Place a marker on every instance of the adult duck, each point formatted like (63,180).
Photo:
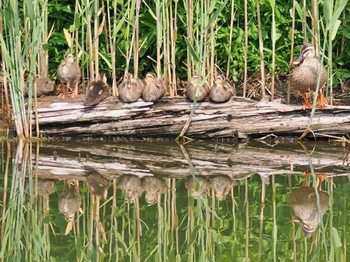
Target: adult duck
(305,74)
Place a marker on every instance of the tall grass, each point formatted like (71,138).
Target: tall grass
(20,51)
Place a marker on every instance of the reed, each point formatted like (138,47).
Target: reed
(20,53)
(273,39)
(261,50)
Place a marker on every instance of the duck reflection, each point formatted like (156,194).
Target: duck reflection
(69,202)
(98,185)
(303,202)
(153,186)
(132,187)
(45,187)
(221,186)
(197,186)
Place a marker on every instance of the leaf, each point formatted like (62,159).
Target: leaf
(192,51)
(336,14)
(299,10)
(336,238)
(105,59)
(335,29)
(216,14)
(194,235)
(68,38)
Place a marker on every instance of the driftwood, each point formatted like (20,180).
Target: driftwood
(68,160)
(238,118)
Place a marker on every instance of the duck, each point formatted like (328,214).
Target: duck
(130,90)
(153,186)
(69,202)
(44,85)
(45,187)
(191,89)
(153,88)
(197,186)
(222,90)
(221,185)
(305,73)
(98,185)
(303,202)
(69,74)
(97,91)
(132,187)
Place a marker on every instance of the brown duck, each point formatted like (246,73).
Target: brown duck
(130,89)
(69,74)
(69,202)
(303,202)
(44,86)
(222,90)
(97,91)
(197,186)
(304,76)
(132,187)
(191,89)
(222,186)
(153,88)
(153,186)
(98,185)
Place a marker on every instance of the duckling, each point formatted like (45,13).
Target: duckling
(69,74)
(69,202)
(44,86)
(153,187)
(98,185)
(198,186)
(132,187)
(221,186)
(97,91)
(304,76)
(222,90)
(153,88)
(130,89)
(45,187)
(192,89)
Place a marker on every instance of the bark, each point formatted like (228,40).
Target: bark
(238,118)
(76,159)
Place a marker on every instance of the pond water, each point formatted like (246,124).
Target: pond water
(162,201)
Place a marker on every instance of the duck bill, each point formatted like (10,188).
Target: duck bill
(299,60)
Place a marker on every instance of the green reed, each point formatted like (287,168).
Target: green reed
(20,48)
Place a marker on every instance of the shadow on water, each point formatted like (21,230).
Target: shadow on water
(160,201)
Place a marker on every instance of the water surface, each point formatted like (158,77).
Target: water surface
(161,201)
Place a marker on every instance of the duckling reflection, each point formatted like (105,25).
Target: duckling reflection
(98,185)
(69,202)
(303,202)
(153,186)
(221,186)
(132,187)
(197,186)
(45,187)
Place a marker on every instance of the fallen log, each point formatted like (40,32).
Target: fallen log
(238,118)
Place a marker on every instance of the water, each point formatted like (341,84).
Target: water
(161,201)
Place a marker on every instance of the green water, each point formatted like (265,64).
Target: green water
(159,201)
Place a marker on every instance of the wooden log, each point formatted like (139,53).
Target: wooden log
(67,160)
(238,118)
